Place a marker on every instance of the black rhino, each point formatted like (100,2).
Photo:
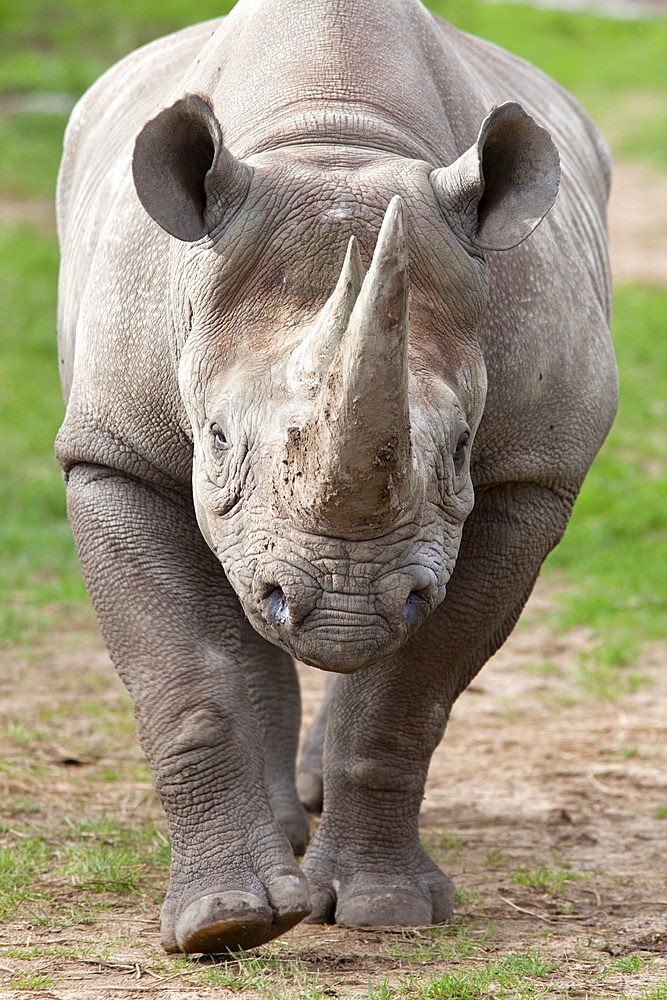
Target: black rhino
(323,402)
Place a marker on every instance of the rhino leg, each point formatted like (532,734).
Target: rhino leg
(365,864)
(175,631)
(273,685)
(309,780)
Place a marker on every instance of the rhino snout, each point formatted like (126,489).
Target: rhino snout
(346,627)
(281,599)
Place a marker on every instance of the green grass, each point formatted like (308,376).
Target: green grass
(273,973)
(443,845)
(18,867)
(30,145)
(631,963)
(63,46)
(547,878)
(519,976)
(615,549)
(94,863)
(454,942)
(38,567)
(515,976)
(659,993)
(34,981)
(381,991)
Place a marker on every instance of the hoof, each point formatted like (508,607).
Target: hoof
(235,920)
(384,909)
(371,900)
(222,921)
(324,906)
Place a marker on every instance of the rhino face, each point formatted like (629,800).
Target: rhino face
(332,436)
(330,480)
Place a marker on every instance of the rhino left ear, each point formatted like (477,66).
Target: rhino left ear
(185,177)
(501,188)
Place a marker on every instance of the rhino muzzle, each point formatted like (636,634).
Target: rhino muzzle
(347,628)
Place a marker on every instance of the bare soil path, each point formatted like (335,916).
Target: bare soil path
(542,803)
(638,224)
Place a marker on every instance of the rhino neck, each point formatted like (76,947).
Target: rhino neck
(325,76)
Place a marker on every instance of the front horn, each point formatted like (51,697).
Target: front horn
(350,465)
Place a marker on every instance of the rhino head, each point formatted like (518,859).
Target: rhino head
(325,307)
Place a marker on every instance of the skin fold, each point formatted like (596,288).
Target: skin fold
(332,388)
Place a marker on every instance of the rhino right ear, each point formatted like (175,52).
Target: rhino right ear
(501,188)
(185,177)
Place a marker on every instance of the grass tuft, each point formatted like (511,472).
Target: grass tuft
(650,993)
(511,976)
(547,878)
(34,981)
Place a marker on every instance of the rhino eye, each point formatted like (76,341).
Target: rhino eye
(460,453)
(218,440)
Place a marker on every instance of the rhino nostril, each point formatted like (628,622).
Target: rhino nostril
(416,607)
(276,607)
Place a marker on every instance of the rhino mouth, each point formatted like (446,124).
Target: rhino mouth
(341,646)
(341,640)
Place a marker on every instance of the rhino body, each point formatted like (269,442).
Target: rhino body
(331,393)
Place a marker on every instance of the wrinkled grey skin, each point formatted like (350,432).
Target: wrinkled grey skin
(221,476)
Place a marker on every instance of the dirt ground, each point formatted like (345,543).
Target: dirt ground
(541,804)
(638,224)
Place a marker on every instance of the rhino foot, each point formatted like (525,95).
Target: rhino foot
(234,920)
(372,900)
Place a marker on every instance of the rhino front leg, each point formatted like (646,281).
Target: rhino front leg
(274,691)
(365,865)
(175,631)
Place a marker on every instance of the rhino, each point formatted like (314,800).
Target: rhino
(335,370)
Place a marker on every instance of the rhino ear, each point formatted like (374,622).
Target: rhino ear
(501,188)
(185,177)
